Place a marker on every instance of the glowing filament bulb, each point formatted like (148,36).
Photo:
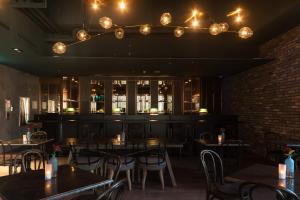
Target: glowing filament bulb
(178,32)
(122,5)
(245,32)
(165,19)
(145,29)
(82,35)
(195,23)
(96,4)
(238,18)
(105,22)
(214,29)
(59,48)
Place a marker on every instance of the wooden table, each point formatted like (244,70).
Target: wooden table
(267,174)
(214,144)
(32,143)
(32,185)
(135,143)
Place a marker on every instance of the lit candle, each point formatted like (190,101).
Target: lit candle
(281,171)
(48,171)
(119,138)
(220,139)
(282,183)
(24,139)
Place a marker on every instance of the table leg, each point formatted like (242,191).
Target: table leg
(170,169)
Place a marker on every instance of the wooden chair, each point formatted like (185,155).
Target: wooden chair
(217,188)
(28,156)
(127,163)
(152,160)
(247,191)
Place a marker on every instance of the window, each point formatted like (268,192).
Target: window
(24,110)
(191,95)
(143,98)
(50,97)
(97,96)
(165,96)
(119,98)
(70,94)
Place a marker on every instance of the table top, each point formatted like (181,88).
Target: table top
(267,174)
(33,142)
(214,144)
(32,185)
(131,142)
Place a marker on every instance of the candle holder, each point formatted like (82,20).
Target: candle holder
(220,139)
(48,171)
(282,171)
(24,139)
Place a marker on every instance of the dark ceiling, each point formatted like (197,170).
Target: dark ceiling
(196,53)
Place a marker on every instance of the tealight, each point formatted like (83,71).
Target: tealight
(281,171)
(48,171)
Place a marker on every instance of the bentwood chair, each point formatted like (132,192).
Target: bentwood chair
(152,160)
(28,156)
(217,188)
(253,191)
(127,163)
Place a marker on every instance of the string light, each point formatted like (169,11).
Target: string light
(245,32)
(59,48)
(237,14)
(82,35)
(165,19)
(122,5)
(119,33)
(145,29)
(105,22)
(224,27)
(214,29)
(178,32)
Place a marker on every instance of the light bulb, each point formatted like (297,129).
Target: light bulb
(194,12)
(105,22)
(59,48)
(195,23)
(96,4)
(119,33)
(238,19)
(145,29)
(122,5)
(178,32)
(214,29)
(82,35)
(245,32)
(224,27)
(165,19)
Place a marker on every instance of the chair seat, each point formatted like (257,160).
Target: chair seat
(87,163)
(152,163)
(127,163)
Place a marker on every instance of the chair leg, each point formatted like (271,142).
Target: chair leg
(144,178)
(128,179)
(161,176)
(111,173)
(139,175)
(133,172)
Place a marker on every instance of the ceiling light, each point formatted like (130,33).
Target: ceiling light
(145,29)
(96,4)
(105,22)
(122,5)
(224,27)
(214,29)
(179,31)
(59,48)
(195,23)
(238,19)
(18,50)
(245,32)
(119,33)
(82,35)
(165,19)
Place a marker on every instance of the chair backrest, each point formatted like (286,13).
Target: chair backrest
(213,168)
(247,190)
(40,135)
(28,156)
(6,152)
(114,192)
(154,152)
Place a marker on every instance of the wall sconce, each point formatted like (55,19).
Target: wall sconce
(153,111)
(203,111)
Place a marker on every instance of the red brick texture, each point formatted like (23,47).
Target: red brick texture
(267,97)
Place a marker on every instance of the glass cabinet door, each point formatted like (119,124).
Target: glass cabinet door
(191,95)
(165,96)
(143,98)
(97,99)
(119,96)
(70,94)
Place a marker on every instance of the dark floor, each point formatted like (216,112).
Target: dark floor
(190,181)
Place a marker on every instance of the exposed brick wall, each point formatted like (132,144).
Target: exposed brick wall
(267,97)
